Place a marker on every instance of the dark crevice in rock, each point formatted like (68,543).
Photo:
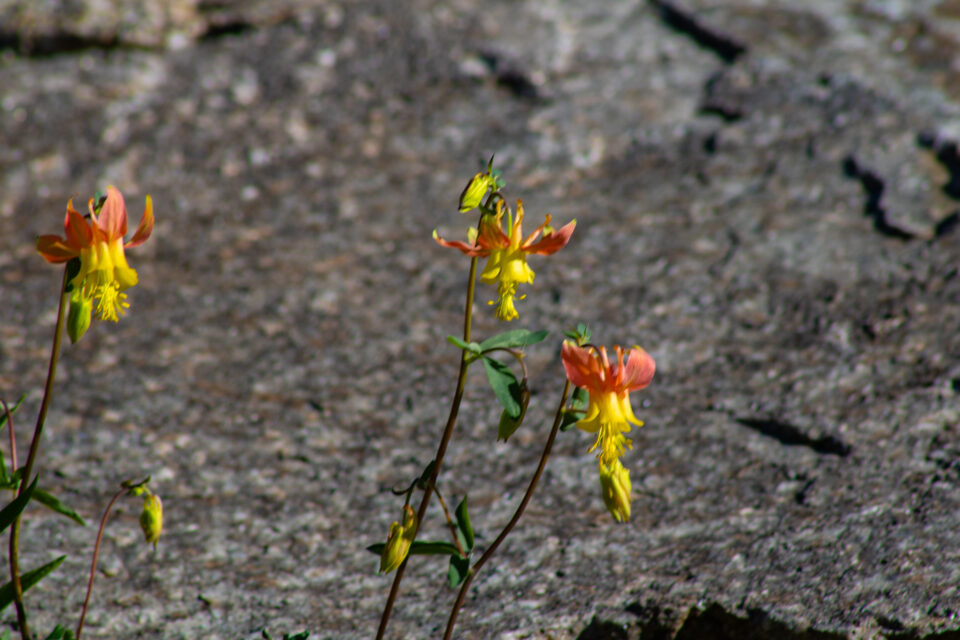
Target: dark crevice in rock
(788,434)
(716,103)
(949,224)
(715,623)
(226,28)
(948,154)
(800,497)
(603,630)
(656,623)
(510,77)
(52,44)
(873,186)
(684,21)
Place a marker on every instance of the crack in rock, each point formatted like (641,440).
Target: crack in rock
(684,21)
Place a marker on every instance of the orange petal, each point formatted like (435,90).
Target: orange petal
(553,242)
(581,367)
(145,228)
(472,250)
(54,249)
(638,370)
(78,231)
(113,215)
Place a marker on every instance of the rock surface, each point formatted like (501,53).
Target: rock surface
(767,195)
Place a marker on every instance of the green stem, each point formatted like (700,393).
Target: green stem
(441,450)
(96,555)
(513,521)
(31,457)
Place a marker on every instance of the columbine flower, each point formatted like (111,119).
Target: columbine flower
(506,253)
(609,413)
(399,541)
(104,273)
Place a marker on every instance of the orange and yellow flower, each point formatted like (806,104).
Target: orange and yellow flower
(506,252)
(609,414)
(104,273)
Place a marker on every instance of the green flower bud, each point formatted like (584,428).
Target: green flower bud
(399,541)
(473,194)
(151,518)
(78,319)
(615,484)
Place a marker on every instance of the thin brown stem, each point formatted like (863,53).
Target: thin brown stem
(31,458)
(96,555)
(513,521)
(441,449)
(450,525)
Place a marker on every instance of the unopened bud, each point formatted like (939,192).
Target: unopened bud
(615,484)
(78,319)
(473,194)
(399,541)
(151,518)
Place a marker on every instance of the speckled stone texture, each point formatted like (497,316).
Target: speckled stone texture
(767,195)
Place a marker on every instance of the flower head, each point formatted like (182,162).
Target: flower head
(609,414)
(506,252)
(104,273)
(398,541)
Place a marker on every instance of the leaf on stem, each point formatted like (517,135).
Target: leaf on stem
(4,476)
(458,571)
(422,548)
(513,339)
(505,386)
(60,633)
(576,410)
(12,510)
(464,529)
(472,347)
(52,502)
(27,580)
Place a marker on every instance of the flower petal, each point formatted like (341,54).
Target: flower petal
(113,215)
(145,228)
(553,242)
(581,367)
(638,370)
(472,250)
(79,233)
(54,249)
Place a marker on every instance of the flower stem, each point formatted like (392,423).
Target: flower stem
(441,449)
(13,440)
(31,457)
(513,521)
(96,555)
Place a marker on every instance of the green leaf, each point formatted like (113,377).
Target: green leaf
(458,571)
(60,633)
(27,580)
(51,502)
(422,548)
(12,510)
(472,347)
(505,386)
(576,410)
(513,339)
(303,635)
(464,529)
(425,476)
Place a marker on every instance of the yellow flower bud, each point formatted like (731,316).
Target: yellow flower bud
(151,518)
(78,319)
(399,541)
(615,484)
(473,194)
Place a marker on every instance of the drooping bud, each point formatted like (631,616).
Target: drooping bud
(399,541)
(151,518)
(78,318)
(473,193)
(615,485)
